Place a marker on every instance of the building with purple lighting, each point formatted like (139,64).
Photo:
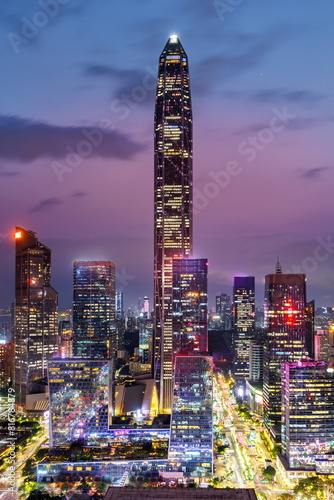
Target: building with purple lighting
(80,393)
(191,434)
(307,414)
(190,305)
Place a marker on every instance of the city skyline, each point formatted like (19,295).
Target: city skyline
(167,391)
(240,75)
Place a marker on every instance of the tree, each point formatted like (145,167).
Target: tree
(101,486)
(269,472)
(65,487)
(328,487)
(286,496)
(309,487)
(29,469)
(39,494)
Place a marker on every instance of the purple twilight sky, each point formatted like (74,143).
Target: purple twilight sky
(262,81)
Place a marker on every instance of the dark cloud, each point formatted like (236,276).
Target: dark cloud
(296,122)
(104,70)
(219,68)
(47,204)
(25,140)
(79,194)
(313,173)
(274,96)
(140,86)
(10,174)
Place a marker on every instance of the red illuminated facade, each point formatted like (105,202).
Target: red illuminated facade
(286,336)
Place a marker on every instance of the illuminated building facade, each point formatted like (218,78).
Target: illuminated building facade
(307,413)
(172,200)
(256,361)
(94,331)
(191,435)
(285,324)
(80,399)
(190,305)
(146,307)
(36,312)
(244,324)
(322,346)
(224,309)
(119,305)
(6,364)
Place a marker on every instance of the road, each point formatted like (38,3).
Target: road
(253,454)
(20,459)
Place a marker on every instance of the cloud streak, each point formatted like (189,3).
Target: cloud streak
(26,141)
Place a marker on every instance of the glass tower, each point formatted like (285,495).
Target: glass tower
(94,334)
(36,312)
(286,329)
(80,399)
(307,413)
(172,200)
(244,324)
(191,437)
(190,305)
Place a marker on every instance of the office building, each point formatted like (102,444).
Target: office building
(190,305)
(94,331)
(310,328)
(244,324)
(322,346)
(224,309)
(36,313)
(81,404)
(172,200)
(256,361)
(307,413)
(286,330)
(119,305)
(6,364)
(146,307)
(191,435)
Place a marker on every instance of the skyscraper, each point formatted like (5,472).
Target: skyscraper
(172,200)
(94,334)
(244,324)
(307,413)
(286,329)
(146,307)
(119,305)
(224,310)
(36,312)
(191,437)
(190,305)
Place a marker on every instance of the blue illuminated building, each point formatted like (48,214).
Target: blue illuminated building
(191,437)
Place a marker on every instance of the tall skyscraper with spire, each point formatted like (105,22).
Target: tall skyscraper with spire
(172,201)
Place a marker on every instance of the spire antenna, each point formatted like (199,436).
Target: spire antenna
(278,267)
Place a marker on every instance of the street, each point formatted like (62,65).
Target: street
(246,458)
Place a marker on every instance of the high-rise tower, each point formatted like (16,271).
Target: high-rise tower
(94,334)
(286,333)
(172,200)
(190,306)
(244,324)
(36,312)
